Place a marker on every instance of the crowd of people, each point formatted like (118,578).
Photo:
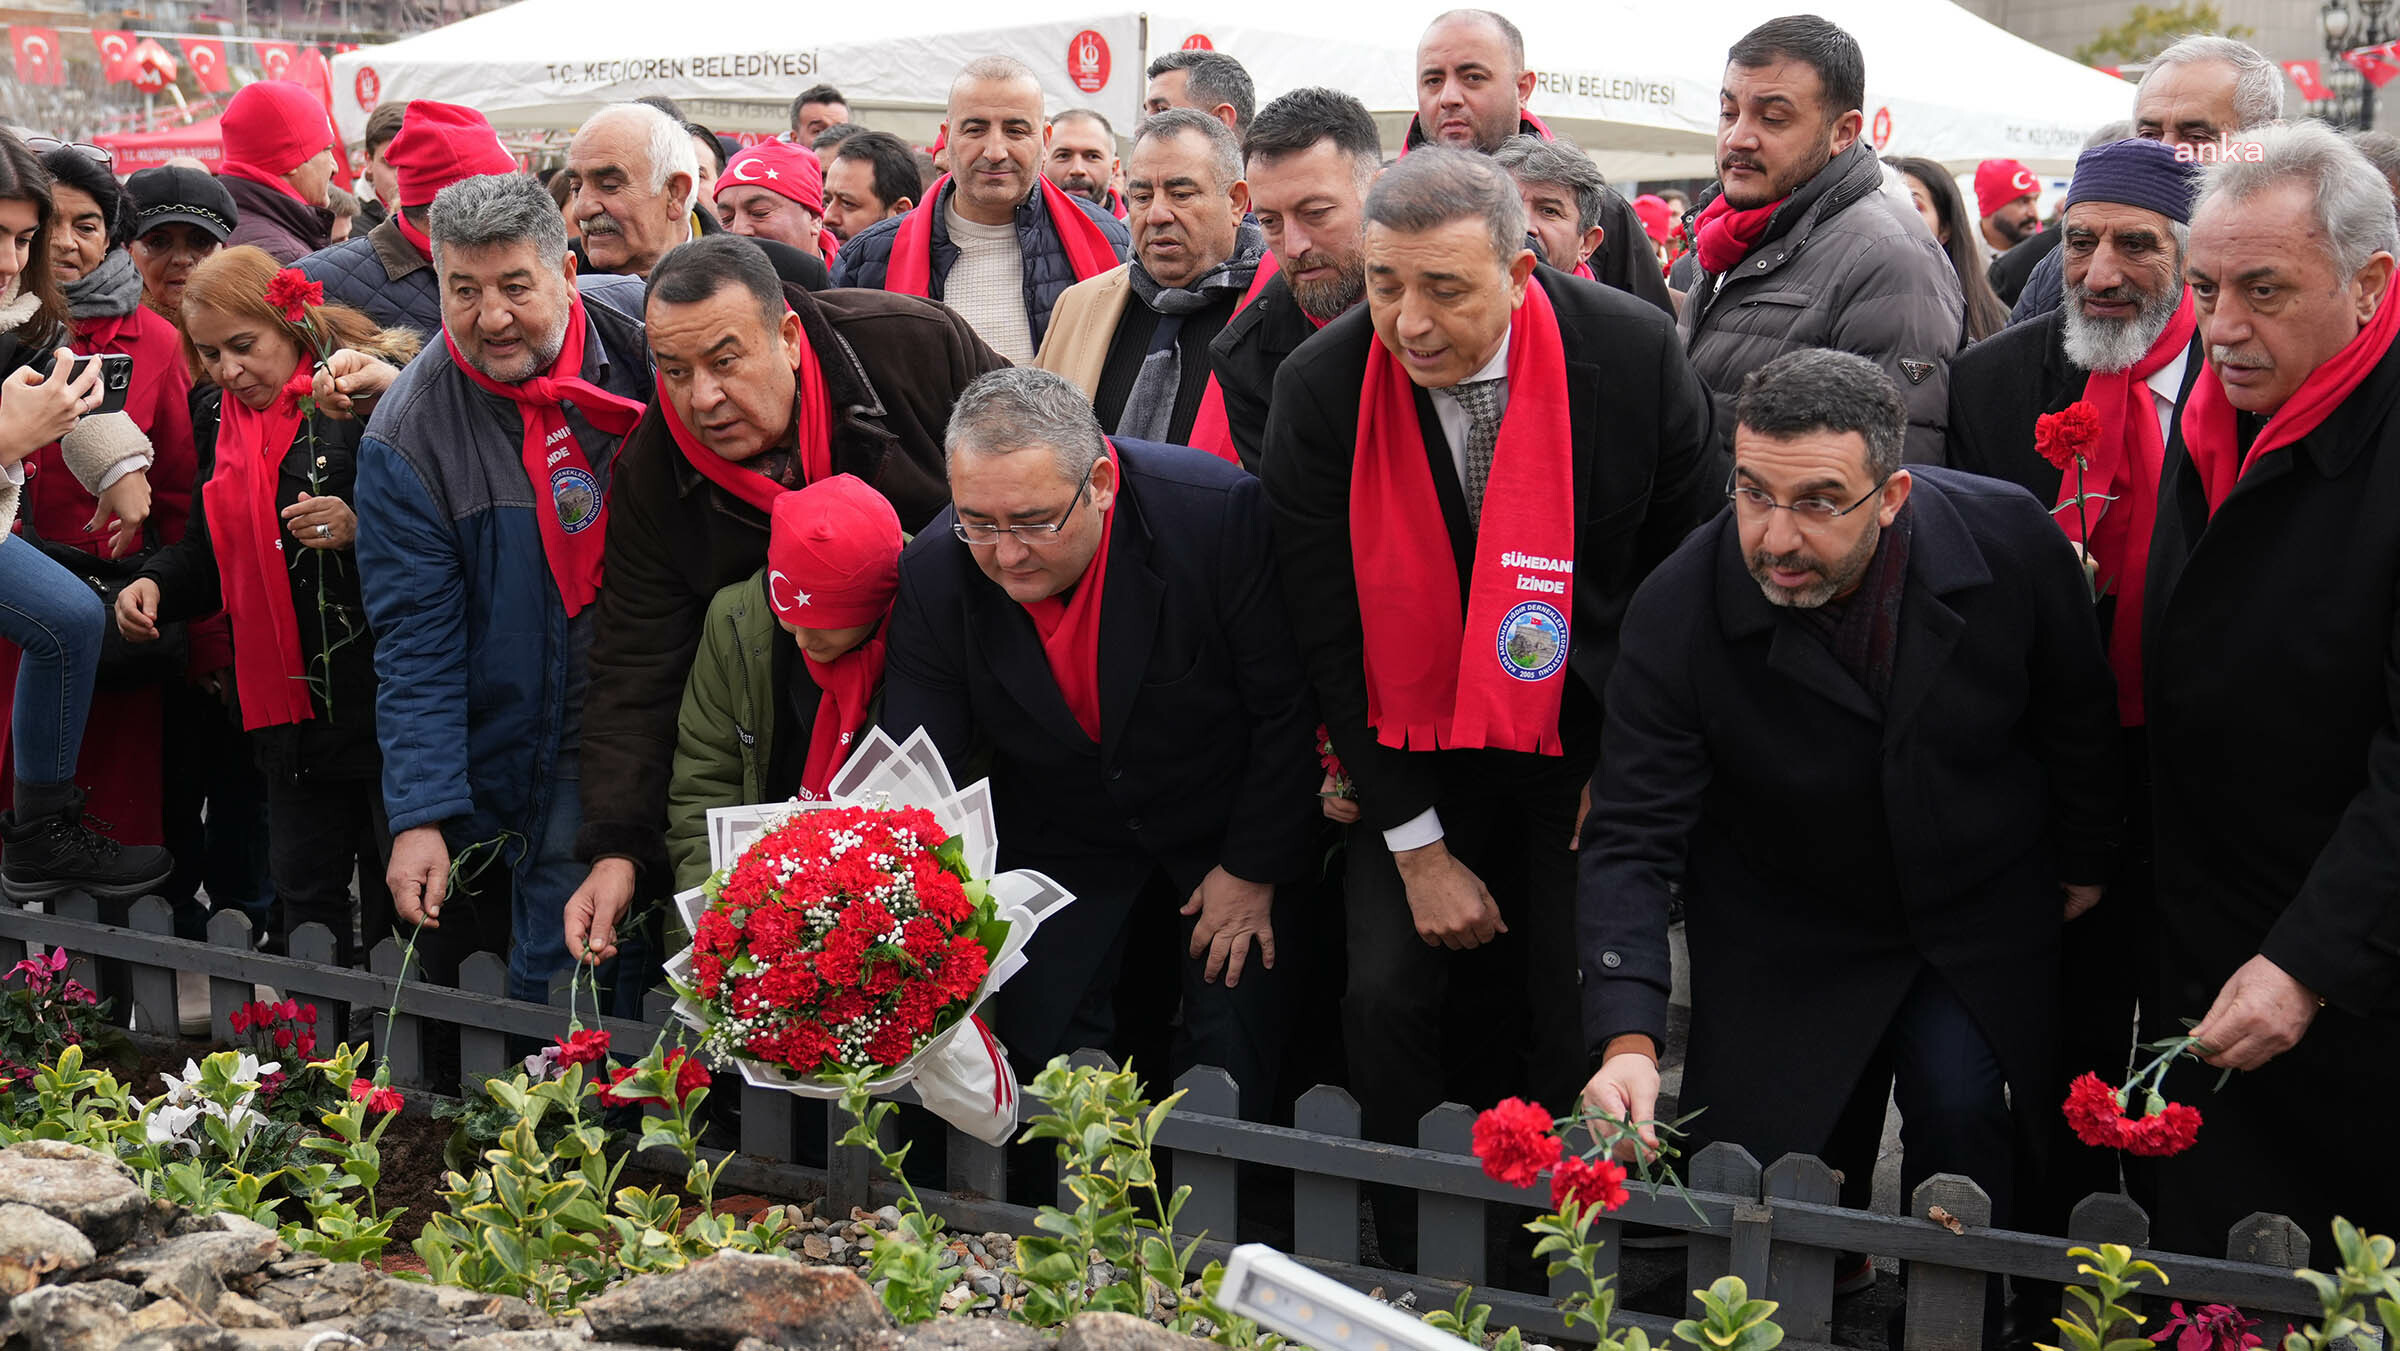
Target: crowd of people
(1973,687)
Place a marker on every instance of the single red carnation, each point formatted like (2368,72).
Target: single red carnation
(2171,1130)
(378,1100)
(2067,435)
(891,1044)
(291,294)
(1514,1142)
(2093,1112)
(1589,1184)
(582,1048)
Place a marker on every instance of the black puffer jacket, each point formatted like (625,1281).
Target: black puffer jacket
(1048,274)
(380,274)
(339,742)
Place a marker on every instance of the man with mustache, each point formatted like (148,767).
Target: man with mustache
(1799,246)
(871,177)
(1863,723)
(1083,158)
(2273,708)
(1135,340)
(993,240)
(2125,346)
(1310,156)
(2007,204)
(635,175)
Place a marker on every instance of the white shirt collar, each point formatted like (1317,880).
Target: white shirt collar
(2167,381)
(1494,369)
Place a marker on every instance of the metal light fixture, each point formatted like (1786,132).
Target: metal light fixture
(1274,1291)
(2336,18)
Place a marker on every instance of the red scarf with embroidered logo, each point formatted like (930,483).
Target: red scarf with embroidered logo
(812,436)
(554,462)
(2125,464)
(1493,676)
(1211,431)
(1070,628)
(269,672)
(910,268)
(1724,236)
(2209,436)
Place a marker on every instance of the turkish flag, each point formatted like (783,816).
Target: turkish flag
(36,50)
(2310,77)
(207,56)
(2378,64)
(153,69)
(116,53)
(275,59)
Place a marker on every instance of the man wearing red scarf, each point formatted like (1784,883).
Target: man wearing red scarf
(483,505)
(2273,709)
(387,273)
(2124,347)
(762,388)
(1104,618)
(1469,476)
(280,155)
(775,190)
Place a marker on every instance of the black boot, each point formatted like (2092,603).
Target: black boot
(51,855)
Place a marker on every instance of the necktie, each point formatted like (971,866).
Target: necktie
(1481,399)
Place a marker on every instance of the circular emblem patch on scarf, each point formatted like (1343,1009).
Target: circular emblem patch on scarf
(1533,641)
(575,494)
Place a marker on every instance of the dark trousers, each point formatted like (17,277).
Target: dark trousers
(1425,1025)
(214,813)
(1954,1115)
(320,832)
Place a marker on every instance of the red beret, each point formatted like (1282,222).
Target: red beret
(833,555)
(780,167)
(439,144)
(2001,181)
(274,126)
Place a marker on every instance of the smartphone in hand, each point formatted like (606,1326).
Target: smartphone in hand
(116,378)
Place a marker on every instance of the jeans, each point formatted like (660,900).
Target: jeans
(56,619)
(545,875)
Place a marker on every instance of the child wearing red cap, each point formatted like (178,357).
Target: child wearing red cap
(768,717)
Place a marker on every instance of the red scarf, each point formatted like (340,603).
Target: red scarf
(234,168)
(2125,464)
(2208,418)
(827,246)
(1495,677)
(269,671)
(1211,431)
(910,268)
(416,238)
(812,433)
(554,458)
(1725,236)
(1584,270)
(849,682)
(1070,629)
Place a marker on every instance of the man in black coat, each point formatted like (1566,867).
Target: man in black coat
(1106,624)
(2274,710)
(1864,720)
(1310,156)
(740,420)
(1461,942)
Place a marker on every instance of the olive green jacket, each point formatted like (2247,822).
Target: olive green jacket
(724,737)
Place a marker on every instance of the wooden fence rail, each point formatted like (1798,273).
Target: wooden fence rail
(1779,1226)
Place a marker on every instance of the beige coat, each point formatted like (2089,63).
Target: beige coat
(1083,324)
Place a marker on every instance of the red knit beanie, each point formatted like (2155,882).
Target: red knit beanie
(780,167)
(439,144)
(833,555)
(2001,181)
(275,126)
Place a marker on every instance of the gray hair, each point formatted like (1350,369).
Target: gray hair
(1434,185)
(2382,150)
(2257,82)
(1561,164)
(1025,408)
(994,68)
(671,148)
(1211,77)
(492,209)
(1819,389)
(2353,201)
(1224,152)
(2109,133)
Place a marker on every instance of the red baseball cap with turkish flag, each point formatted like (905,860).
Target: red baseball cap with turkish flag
(2001,181)
(439,144)
(780,167)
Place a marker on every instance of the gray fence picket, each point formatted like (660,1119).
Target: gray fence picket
(1325,1209)
(2109,1217)
(849,1171)
(974,1168)
(1728,1169)
(314,943)
(563,993)
(1214,1207)
(767,1123)
(152,992)
(2275,1241)
(1449,1228)
(482,1051)
(227,929)
(1799,1277)
(84,967)
(401,1038)
(1945,1304)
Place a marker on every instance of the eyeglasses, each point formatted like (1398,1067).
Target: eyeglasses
(43,145)
(979,536)
(1812,513)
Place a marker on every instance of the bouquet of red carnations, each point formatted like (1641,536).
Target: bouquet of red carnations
(859,935)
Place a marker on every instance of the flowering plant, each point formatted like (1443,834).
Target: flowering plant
(380,1100)
(1339,778)
(43,1009)
(2097,1112)
(2212,1327)
(2066,438)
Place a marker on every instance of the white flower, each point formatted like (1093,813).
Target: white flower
(168,1124)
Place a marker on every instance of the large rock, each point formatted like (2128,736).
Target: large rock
(83,1187)
(72,1317)
(714,1303)
(1121,1332)
(970,1334)
(35,1243)
(194,1268)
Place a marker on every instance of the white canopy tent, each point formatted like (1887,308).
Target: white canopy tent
(1634,86)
